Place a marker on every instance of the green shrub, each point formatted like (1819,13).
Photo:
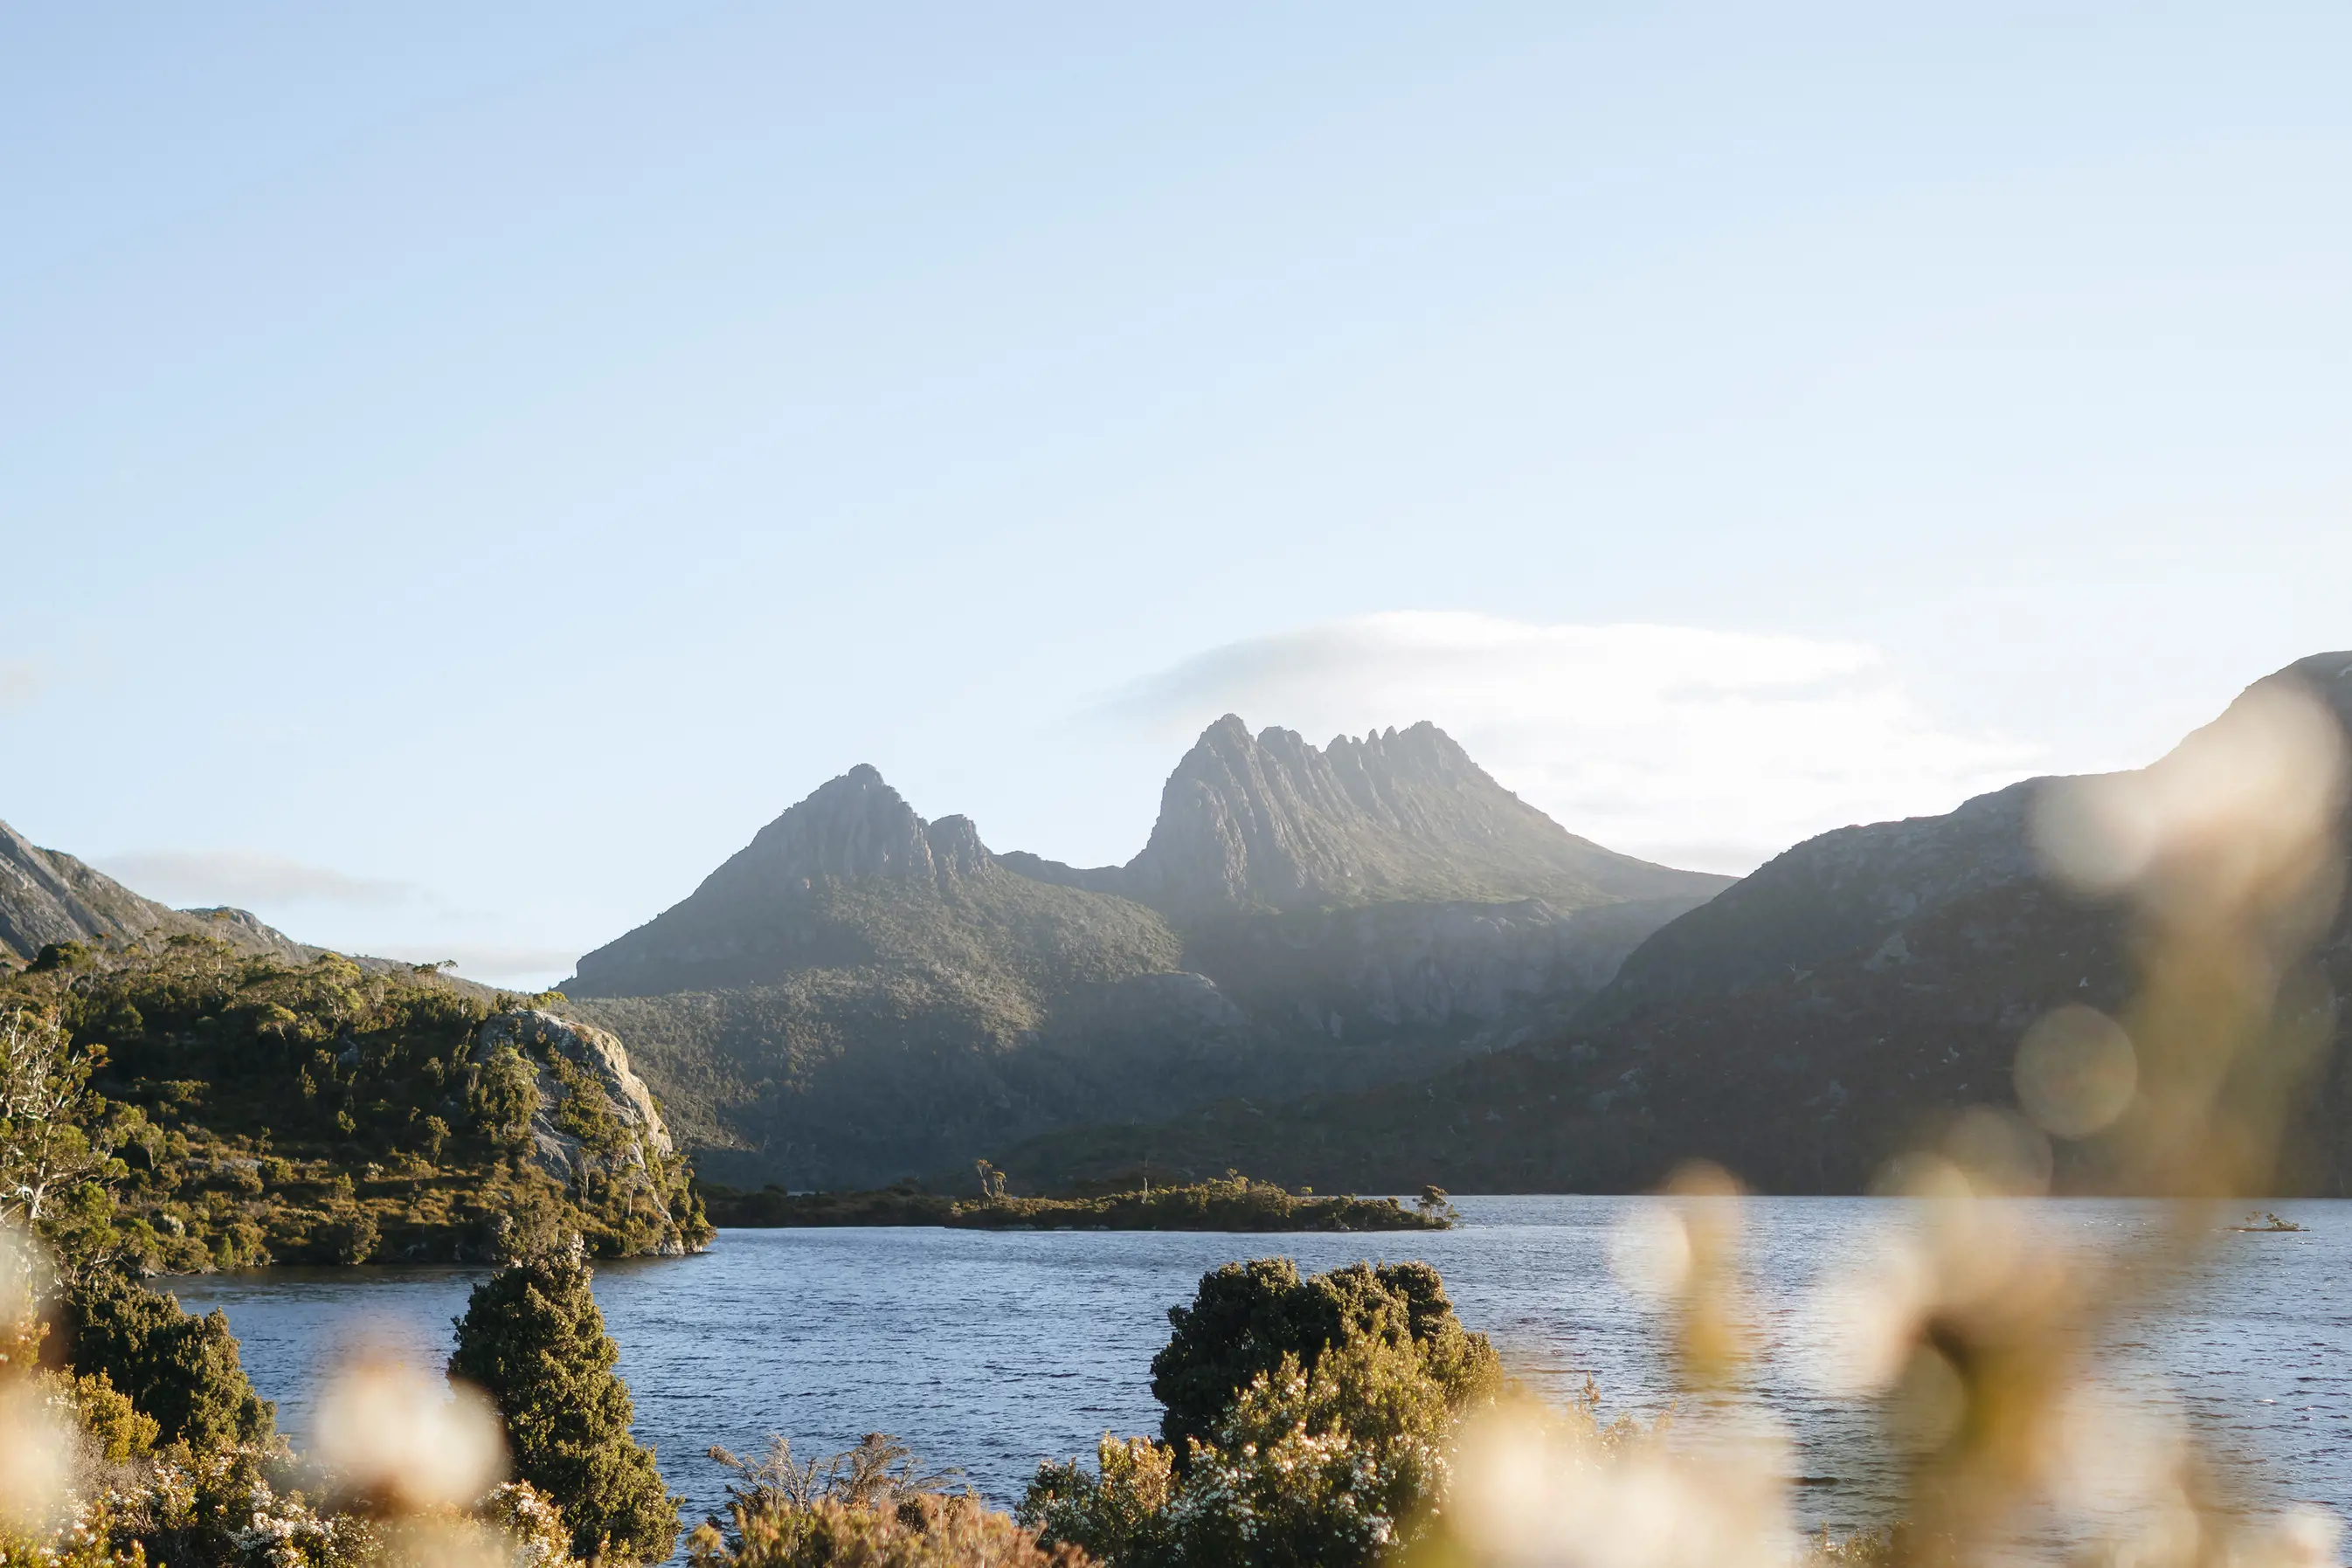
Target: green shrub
(1247,1316)
(119,1431)
(180,1369)
(1119,1513)
(1308,1420)
(504,1097)
(532,1339)
(930,1532)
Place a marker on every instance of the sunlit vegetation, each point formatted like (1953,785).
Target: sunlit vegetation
(873,1504)
(247,1111)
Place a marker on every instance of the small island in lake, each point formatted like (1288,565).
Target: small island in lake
(1235,1203)
(2265,1221)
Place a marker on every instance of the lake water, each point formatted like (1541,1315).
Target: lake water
(992,1351)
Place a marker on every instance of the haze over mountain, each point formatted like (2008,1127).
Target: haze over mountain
(860,994)
(1801,1027)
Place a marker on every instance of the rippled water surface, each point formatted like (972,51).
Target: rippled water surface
(993,1351)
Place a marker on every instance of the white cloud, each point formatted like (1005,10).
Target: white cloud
(246,877)
(1710,749)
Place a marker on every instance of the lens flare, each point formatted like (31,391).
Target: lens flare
(2075,1073)
(390,1432)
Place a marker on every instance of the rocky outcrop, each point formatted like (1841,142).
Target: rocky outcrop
(47,896)
(596,1121)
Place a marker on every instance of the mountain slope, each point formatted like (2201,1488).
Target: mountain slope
(1801,1029)
(860,994)
(47,896)
(850,878)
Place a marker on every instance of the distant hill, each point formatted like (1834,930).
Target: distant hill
(859,995)
(47,896)
(1801,1029)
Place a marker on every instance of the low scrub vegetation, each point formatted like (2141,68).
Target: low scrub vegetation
(1235,1203)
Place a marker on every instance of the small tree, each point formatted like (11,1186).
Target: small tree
(992,1180)
(532,1339)
(47,1142)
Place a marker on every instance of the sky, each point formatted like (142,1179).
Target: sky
(461,472)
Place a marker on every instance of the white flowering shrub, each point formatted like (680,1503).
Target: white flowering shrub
(1335,1467)
(536,1534)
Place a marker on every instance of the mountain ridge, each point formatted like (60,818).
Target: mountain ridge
(1300,917)
(47,896)
(1801,1028)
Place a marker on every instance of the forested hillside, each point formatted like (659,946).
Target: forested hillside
(257,1110)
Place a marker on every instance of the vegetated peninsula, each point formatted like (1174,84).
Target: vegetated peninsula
(1839,1006)
(258,1106)
(1234,1203)
(861,996)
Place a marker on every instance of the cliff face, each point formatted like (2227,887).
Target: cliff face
(47,896)
(597,1124)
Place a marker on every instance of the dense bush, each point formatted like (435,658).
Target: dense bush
(1246,1317)
(1330,1467)
(533,1340)
(933,1531)
(180,1370)
(1307,1422)
(872,1507)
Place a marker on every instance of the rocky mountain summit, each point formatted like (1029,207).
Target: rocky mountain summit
(1800,1028)
(851,878)
(860,994)
(1270,823)
(47,896)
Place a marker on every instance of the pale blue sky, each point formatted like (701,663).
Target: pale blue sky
(460,475)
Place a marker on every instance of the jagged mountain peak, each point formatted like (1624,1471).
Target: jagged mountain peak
(849,828)
(1270,820)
